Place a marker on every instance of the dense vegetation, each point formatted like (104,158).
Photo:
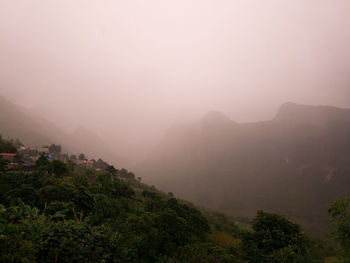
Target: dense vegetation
(56,213)
(7,146)
(340,217)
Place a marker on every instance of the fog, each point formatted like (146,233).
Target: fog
(127,70)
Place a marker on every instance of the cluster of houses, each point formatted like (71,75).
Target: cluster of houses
(11,158)
(26,157)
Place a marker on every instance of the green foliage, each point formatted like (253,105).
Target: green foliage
(100,164)
(59,168)
(43,164)
(82,157)
(340,218)
(101,220)
(7,146)
(275,239)
(56,213)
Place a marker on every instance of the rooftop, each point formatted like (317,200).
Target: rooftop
(8,154)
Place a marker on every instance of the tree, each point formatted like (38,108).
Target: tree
(275,239)
(100,164)
(6,146)
(111,169)
(82,156)
(59,168)
(43,164)
(339,214)
(126,174)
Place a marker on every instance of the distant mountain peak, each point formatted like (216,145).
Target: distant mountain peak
(293,112)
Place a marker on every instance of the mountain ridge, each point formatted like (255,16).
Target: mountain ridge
(33,129)
(294,166)
(317,114)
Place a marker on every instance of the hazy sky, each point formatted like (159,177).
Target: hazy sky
(129,69)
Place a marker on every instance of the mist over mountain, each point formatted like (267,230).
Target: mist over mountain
(15,123)
(33,129)
(235,106)
(94,145)
(295,164)
(321,115)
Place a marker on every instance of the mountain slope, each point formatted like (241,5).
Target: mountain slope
(61,213)
(295,164)
(91,144)
(33,129)
(14,123)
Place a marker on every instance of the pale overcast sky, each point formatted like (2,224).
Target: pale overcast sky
(131,68)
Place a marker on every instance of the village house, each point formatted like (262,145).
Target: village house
(8,156)
(86,162)
(81,162)
(91,162)
(43,150)
(11,158)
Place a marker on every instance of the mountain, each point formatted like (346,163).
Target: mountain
(321,115)
(14,123)
(91,144)
(60,213)
(32,129)
(295,164)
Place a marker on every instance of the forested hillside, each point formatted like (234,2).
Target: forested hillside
(57,213)
(296,164)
